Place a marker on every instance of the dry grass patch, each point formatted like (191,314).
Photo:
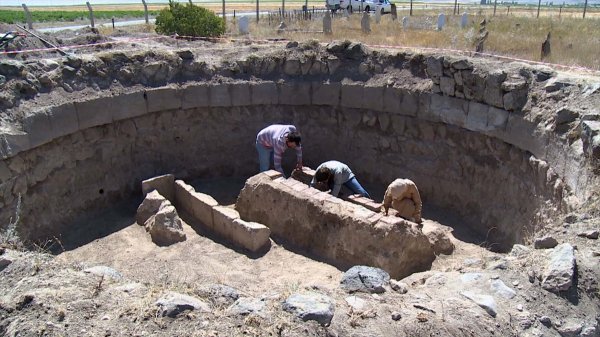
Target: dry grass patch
(574,41)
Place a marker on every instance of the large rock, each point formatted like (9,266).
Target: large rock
(487,302)
(560,269)
(439,239)
(149,207)
(172,303)
(311,306)
(365,279)
(165,227)
(337,231)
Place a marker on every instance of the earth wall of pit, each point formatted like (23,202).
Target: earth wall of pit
(485,159)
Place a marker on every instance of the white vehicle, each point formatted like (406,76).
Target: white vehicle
(384,6)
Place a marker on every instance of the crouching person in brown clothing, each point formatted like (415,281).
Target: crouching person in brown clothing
(403,196)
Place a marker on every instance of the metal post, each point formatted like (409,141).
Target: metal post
(559,11)
(455,4)
(145,11)
(113,23)
(410,7)
(91,13)
(539,5)
(234,13)
(257,16)
(495,3)
(584,8)
(28,16)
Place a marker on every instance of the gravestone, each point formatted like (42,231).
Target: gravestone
(464,20)
(347,12)
(365,23)
(546,50)
(281,28)
(441,21)
(244,25)
(327,23)
(378,14)
(405,22)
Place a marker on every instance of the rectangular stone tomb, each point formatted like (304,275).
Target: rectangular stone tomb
(342,233)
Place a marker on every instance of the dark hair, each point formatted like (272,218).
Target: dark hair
(294,137)
(323,174)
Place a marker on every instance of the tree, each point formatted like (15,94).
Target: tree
(188,20)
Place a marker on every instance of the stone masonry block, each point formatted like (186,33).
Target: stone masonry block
(477,116)
(94,112)
(450,110)
(497,119)
(223,218)
(447,85)
(374,98)
(196,96)
(183,194)
(63,119)
(249,235)
(326,93)
(37,126)
(202,208)
(12,143)
(220,95)
(273,174)
(410,104)
(240,94)
(426,109)
(198,205)
(264,93)
(392,99)
(165,185)
(353,96)
(129,105)
(162,99)
(524,134)
(294,93)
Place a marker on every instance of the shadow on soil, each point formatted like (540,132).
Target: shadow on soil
(95,225)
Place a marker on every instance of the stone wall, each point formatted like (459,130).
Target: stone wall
(339,232)
(472,137)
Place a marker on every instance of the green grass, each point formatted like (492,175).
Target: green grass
(11,17)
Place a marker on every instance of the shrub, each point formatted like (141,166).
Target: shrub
(188,20)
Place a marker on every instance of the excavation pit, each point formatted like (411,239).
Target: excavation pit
(486,155)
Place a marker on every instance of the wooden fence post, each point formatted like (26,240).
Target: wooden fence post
(539,5)
(225,20)
(91,13)
(584,8)
(145,11)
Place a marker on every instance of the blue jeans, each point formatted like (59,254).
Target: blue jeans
(354,186)
(265,156)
